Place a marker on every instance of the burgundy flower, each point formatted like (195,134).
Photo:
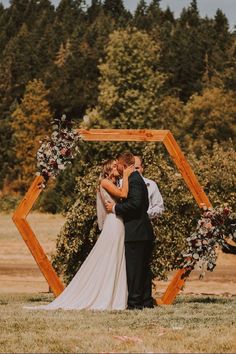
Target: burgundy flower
(226,211)
(211,231)
(58,151)
(68,152)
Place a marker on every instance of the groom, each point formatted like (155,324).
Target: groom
(138,236)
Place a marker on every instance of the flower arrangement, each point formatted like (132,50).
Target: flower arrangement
(214,227)
(56,152)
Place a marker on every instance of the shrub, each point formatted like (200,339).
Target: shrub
(216,173)
(8,203)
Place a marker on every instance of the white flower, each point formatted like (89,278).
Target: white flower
(86,120)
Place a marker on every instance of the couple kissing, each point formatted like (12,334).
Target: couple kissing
(116,274)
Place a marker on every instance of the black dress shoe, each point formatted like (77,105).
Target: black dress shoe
(148,306)
(134,307)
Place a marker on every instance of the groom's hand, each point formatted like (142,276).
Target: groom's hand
(109,206)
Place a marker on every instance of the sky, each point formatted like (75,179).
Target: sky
(206,7)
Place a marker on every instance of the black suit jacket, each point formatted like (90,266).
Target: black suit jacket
(134,211)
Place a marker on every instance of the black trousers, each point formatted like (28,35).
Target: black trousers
(229,249)
(138,257)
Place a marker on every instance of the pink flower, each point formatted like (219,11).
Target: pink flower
(208,225)
(63,151)
(226,211)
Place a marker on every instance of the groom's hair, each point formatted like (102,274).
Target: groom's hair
(127,157)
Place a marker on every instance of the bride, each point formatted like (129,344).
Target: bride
(100,283)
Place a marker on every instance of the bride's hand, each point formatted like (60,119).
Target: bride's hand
(127,172)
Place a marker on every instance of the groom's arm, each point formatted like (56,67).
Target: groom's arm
(133,201)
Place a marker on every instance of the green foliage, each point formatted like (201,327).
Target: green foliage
(210,116)
(8,203)
(216,173)
(185,46)
(131,82)
(31,123)
(216,170)
(80,230)
(116,9)
(60,194)
(7,156)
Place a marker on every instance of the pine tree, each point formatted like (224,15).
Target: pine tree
(183,52)
(168,16)
(44,37)
(69,14)
(3,34)
(63,54)
(114,7)
(31,121)
(18,66)
(222,38)
(190,17)
(116,10)
(229,74)
(7,157)
(140,16)
(74,86)
(94,10)
(154,13)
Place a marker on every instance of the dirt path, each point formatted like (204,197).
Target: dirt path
(19,272)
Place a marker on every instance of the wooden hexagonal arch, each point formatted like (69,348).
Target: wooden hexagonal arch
(35,189)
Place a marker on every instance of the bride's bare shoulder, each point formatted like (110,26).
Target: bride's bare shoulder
(105,182)
(111,188)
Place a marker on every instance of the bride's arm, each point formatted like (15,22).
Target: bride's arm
(115,191)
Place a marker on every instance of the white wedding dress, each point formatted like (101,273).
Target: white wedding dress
(100,283)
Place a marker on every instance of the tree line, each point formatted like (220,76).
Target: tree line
(145,69)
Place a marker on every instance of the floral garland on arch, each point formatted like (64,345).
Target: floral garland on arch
(213,228)
(56,152)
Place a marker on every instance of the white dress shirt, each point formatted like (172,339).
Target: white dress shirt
(156,205)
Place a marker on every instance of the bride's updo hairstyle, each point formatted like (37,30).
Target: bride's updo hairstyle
(106,169)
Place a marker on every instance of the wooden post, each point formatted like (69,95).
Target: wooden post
(30,239)
(195,188)
(186,171)
(141,135)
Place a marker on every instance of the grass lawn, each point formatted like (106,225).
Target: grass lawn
(193,324)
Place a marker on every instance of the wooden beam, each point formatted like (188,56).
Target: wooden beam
(122,134)
(201,198)
(173,288)
(30,238)
(186,171)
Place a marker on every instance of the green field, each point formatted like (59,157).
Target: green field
(193,324)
